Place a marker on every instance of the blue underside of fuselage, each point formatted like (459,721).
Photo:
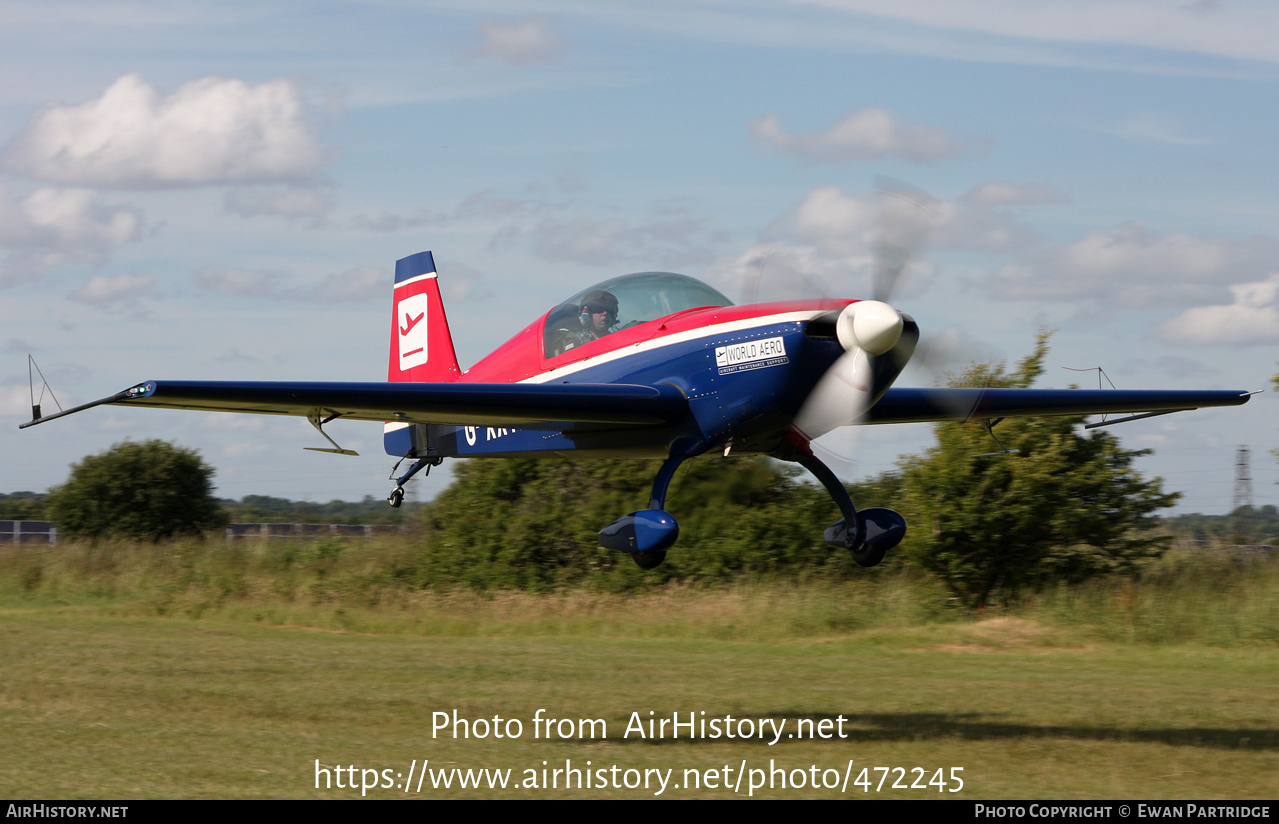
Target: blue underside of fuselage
(744,386)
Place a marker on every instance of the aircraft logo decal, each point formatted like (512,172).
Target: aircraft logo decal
(412,329)
(411,322)
(753,354)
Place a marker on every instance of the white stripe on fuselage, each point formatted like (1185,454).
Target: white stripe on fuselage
(677,338)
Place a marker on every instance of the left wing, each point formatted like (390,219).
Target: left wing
(527,405)
(553,405)
(961,404)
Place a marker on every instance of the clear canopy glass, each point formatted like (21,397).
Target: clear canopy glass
(639,298)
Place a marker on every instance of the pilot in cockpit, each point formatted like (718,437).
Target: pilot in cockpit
(597,318)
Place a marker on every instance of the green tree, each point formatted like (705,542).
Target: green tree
(266,509)
(22,506)
(151,490)
(1068,507)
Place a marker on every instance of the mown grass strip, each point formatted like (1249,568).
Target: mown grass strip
(99,706)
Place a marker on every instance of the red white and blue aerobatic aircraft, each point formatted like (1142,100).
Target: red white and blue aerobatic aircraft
(649,365)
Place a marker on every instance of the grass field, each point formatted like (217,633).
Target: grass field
(112,692)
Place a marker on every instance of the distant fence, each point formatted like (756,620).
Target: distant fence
(43,532)
(28,532)
(249,532)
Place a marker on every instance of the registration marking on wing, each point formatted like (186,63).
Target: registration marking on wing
(751,354)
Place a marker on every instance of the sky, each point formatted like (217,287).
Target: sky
(197,190)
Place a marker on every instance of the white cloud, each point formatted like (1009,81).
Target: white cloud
(999,193)
(53,226)
(249,283)
(985,218)
(111,289)
(859,223)
(464,283)
(1174,366)
(482,205)
(519,42)
(834,221)
(211,130)
(486,204)
(387,222)
(1132,266)
(1149,127)
(582,240)
(824,246)
(15,402)
(1244,30)
(241,450)
(1253,317)
(669,243)
(833,240)
(868,134)
(234,355)
(788,270)
(51,217)
(359,283)
(222,422)
(356,284)
(284,201)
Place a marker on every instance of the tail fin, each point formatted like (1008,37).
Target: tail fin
(421,345)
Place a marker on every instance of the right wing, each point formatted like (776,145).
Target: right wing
(962,404)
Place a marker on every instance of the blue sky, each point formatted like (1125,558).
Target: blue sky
(220,190)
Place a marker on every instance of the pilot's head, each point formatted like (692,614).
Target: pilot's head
(599,312)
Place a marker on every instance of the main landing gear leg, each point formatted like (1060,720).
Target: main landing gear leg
(872,532)
(397,495)
(657,499)
(647,534)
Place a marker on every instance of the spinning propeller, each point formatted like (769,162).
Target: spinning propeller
(878,340)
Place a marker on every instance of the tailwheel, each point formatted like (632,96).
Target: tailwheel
(649,559)
(397,495)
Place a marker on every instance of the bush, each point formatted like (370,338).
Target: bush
(150,491)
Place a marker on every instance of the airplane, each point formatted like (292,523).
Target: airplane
(653,364)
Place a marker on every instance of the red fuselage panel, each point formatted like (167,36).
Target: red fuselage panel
(522,357)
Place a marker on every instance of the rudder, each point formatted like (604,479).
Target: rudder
(421,344)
